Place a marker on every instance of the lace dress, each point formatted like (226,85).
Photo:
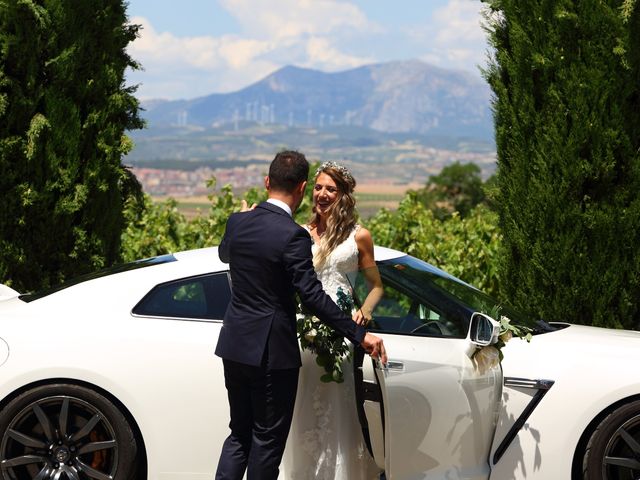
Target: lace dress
(325,442)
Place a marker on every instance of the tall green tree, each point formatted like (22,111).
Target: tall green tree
(64,108)
(566,79)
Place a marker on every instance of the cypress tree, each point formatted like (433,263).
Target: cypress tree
(566,81)
(64,109)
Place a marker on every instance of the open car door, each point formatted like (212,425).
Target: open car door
(430,412)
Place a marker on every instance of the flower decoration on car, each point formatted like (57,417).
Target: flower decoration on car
(490,356)
(328,345)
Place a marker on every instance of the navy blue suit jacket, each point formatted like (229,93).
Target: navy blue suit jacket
(270,260)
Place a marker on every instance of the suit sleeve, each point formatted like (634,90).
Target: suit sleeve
(299,264)
(224,247)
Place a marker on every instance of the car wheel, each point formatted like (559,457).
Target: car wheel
(613,451)
(64,431)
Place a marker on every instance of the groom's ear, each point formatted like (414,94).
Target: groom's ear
(302,187)
(266,182)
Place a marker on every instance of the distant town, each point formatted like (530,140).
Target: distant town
(411,168)
(193,183)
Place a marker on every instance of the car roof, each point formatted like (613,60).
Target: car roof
(385,253)
(162,268)
(199,254)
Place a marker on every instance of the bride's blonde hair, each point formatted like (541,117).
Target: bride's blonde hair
(342,214)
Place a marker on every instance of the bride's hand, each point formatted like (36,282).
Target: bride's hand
(360,318)
(244,206)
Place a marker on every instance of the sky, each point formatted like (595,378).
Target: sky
(193,48)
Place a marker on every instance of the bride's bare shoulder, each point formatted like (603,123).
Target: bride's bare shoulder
(362,233)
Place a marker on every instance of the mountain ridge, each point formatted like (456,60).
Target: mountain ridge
(395,97)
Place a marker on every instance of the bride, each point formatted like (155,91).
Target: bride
(326,441)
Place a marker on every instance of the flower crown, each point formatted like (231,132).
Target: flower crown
(344,171)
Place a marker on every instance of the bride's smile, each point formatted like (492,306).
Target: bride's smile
(325,193)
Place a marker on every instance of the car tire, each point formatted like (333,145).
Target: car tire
(613,451)
(65,431)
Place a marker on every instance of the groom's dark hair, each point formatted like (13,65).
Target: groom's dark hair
(287,170)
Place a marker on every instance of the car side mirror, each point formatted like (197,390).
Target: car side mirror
(484,329)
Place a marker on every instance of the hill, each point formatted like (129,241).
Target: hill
(393,124)
(393,97)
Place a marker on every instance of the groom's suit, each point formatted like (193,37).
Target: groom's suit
(270,260)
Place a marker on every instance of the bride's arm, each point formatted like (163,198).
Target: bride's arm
(367,265)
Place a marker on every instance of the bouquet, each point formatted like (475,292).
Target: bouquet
(327,344)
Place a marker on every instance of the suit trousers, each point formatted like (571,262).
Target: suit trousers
(261,403)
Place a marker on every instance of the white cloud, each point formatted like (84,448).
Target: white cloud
(329,35)
(274,34)
(323,55)
(179,67)
(455,36)
(204,52)
(295,18)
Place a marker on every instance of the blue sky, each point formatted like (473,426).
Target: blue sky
(193,48)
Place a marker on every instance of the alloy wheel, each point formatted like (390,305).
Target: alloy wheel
(621,459)
(59,437)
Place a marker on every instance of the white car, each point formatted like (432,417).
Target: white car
(113,375)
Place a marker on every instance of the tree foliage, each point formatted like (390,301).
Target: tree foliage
(63,113)
(566,80)
(465,247)
(457,188)
(159,228)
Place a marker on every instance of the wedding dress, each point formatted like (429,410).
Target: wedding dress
(325,441)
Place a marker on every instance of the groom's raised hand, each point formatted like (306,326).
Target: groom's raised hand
(374,346)
(244,206)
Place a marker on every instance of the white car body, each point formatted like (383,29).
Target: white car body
(443,418)
(592,369)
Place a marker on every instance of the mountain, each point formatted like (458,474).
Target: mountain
(393,97)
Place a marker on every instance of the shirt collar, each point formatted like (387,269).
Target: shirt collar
(281,204)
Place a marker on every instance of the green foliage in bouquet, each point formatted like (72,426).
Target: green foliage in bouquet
(508,331)
(328,345)
(491,355)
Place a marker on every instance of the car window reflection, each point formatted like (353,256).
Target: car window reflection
(203,297)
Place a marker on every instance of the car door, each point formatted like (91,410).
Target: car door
(429,412)
(184,316)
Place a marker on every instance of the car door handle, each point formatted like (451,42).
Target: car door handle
(394,365)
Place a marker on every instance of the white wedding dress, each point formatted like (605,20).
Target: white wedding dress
(325,442)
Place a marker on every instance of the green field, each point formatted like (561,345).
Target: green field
(369,200)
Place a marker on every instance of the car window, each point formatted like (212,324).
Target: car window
(201,297)
(413,308)
(402,311)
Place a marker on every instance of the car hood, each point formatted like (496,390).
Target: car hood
(593,337)
(7,292)
(570,349)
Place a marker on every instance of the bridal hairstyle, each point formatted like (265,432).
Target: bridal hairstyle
(342,213)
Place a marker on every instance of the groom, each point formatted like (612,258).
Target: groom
(270,260)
